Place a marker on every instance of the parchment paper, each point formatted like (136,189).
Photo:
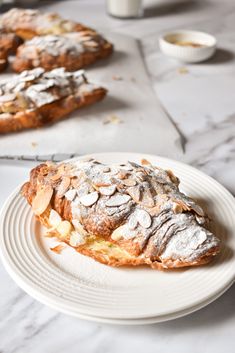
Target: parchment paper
(129,119)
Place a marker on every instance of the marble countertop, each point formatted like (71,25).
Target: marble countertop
(200,101)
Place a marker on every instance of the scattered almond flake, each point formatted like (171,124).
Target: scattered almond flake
(101,184)
(78,227)
(70,194)
(147,198)
(54,218)
(154,211)
(91,44)
(133,221)
(76,239)
(42,200)
(200,220)
(106,170)
(50,164)
(117,200)
(177,208)
(112,119)
(196,208)
(123,232)
(89,199)
(64,228)
(117,234)
(183,70)
(114,170)
(172,176)
(108,190)
(55,177)
(51,233)
(64,185)
(144,218)
(123,174)
(34,144)
(7,97)
(117,78)
(126,167)
(145,162)
(75,182)
(58,248)
(129,182)
(134,192)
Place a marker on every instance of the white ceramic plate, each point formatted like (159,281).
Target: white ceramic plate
(79,286)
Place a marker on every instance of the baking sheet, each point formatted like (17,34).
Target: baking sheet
(129,119)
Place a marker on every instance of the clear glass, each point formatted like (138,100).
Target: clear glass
(124,8)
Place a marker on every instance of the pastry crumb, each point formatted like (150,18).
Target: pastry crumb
(58,248)
(183,70)
(112,119)
(34,144)
(117,78)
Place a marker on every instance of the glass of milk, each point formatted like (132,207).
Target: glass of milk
(124,8)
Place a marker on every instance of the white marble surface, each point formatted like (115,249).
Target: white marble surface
(201,103)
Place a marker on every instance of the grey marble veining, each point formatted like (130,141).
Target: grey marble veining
(200,101)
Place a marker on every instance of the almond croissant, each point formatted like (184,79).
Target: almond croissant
(126,214)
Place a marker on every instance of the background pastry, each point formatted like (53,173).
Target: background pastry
(71,50)
(35,98)
(27,23)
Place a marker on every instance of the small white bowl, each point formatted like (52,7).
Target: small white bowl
(188,46)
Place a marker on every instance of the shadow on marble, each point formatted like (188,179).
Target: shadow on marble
(173,7)
(117,56)
(221,56)
(99,111)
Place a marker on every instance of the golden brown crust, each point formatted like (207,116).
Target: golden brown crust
(50,113)
(8,45)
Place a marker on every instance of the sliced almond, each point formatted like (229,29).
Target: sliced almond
(55,177)
(75,182)
(134,192)
(42,200)
(147,198)
(58,248)
(177,208)
(145,162)
(70,194)
(144,218)
(54,219)
(64,228)
(76,239)
(117,200)
(126,167)
(118,233)
(78,227)
(129,182)
(196,208)
(154,211)
(122,174)
(91,44)
(89,199)
(123,232)
(101,184)
(106,170)
(133,221)
(63,187)
(108,190)
(172,176)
